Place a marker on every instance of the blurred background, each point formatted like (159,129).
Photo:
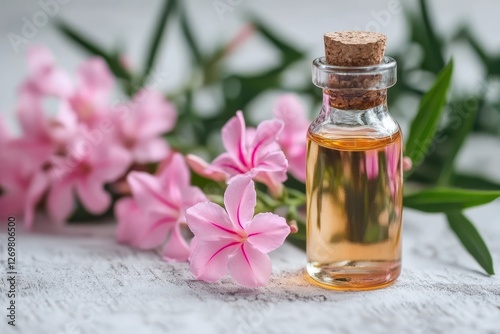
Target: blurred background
(214,57)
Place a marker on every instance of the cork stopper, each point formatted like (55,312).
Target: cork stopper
(355,48)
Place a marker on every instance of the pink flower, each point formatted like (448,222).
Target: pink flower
(293,138)
(85,168)
(129,216)
(44,77)
(233,239)
(159,202)
(22,178)
(407,164)
(252,152)
(141,124)
(94,85)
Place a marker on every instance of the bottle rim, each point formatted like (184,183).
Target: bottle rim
(372,77)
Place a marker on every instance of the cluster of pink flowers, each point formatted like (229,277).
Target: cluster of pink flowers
(92,142)
(88,143)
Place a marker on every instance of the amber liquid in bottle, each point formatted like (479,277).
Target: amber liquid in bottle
(354,202)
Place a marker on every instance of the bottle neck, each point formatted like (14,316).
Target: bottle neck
(333,122)
(350,99)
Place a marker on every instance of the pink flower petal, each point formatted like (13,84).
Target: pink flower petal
(240,200)
(292,140)
(291,111)
(274,162)
(37,188)
(156,114)
(129,217)
(227,164)
(176,248)
(233,137)
(60,200)
(95,80)
(249,267)
(149,196)
(267,231)
(174,177)
(202,168)
(192,195)
(153,234)
(209,259)
(45,76)
(110,162)
(57,83)
(39,58)
(208,221)
(11,204)
(407,164)
(272,181)
(4,130)
(31,117)
(297,165)
(150,150)
(267,133)
(93,196)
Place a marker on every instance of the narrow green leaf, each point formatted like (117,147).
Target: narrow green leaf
(435,44)
(83,41)
(473,182)
(289,53)
(471,239)
(419,36)
(188,35)
(93,48)
(462,118)
(465,34)
(448,199)
(169,6)
(426,121)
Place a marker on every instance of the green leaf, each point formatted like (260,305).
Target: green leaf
(289,53)
(473,182)
(462,119)
(435,50)
(465,34)
(418,25)
(448,199)
(188,35)
(169,6)
(426,121)
(93,48)
(471,239)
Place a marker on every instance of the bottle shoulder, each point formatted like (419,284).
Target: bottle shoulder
(373,123)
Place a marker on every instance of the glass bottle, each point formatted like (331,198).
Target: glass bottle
(354,179)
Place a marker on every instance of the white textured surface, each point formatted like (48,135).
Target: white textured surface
(80,281)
